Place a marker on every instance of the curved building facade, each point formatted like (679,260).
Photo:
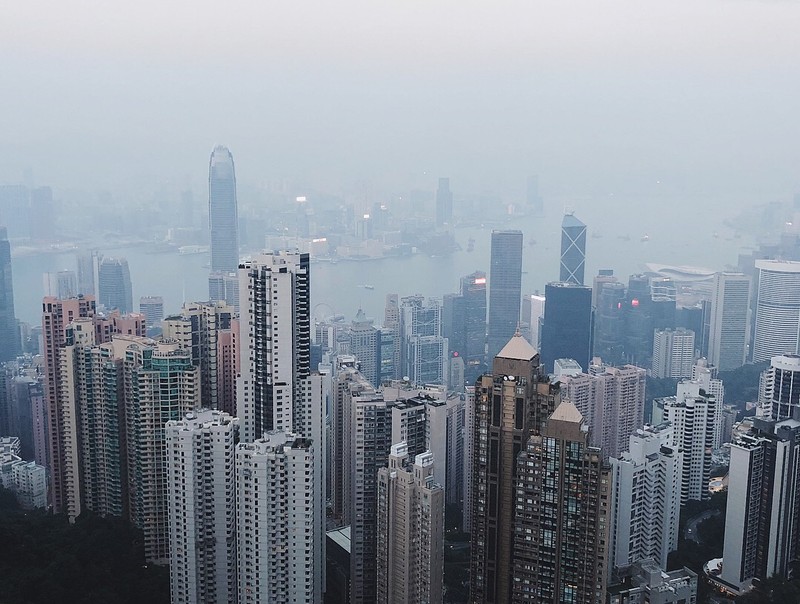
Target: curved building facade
(777,327)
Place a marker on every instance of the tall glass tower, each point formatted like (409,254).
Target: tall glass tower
(505,288)
(223,218)
(9,331)
(573,250)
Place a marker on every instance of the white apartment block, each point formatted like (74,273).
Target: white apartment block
(26,479)
(202,512)
(278,561)
(779,387)
(694,419)
(410,530)
(728,332)
(673,353)
(646,498)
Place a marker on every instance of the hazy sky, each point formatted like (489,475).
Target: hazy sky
(596,96)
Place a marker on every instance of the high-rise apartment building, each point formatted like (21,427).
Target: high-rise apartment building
(761,520)
(673,353)
(152,307)
(57,315)
(61,284)
(87,268)
(573,250)
(9,330)
(410,533)
(424,350)
(562,493)
(567,328)
(505,288)
(779,394)
(730,304)
(693,416)
(646,498)
(161,384)
(777,310)
(275,325)
(223,216)
(280,551)
(200,460)
(365,342)
(202,328)
(114,285)
(390,339)
(511,404)
(444,203)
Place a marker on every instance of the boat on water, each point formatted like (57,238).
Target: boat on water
(645,237)
(369,287)
(185,250)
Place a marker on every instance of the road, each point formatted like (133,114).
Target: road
(690,530)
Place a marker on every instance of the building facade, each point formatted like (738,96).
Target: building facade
(505,288)
(728,327)
(573,250)
(777,310)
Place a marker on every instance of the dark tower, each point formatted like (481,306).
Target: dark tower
(505,288)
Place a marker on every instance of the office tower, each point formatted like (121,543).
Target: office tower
(56,317)
(276,343)
(567,327)
(604,276)
(390,339)
(473,291)
(410,532)
(693,416)
(777,312)
(647,581)
(62,284)
(87,266)
(279,548)
(533,315)
(444,203)
(573,250)
(15,210)
(611,401)
(730,303)
(761,520)
(202,328)
(511,404)
(9,331)
(646,498)
(152,307)
(424,351)
(216,286)
(609,330)
(161,384)
(202,514)
(114,284)
(532,196)
(365,346)
(505,288)
(639,321)
(673,353)
(560,539)
(43,215)
(223,218)
(779,392)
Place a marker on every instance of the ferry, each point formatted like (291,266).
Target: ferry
(185,250)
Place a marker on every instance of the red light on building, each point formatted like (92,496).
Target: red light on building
(635,302)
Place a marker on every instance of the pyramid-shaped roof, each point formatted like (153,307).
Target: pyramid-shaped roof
(571,221)
(567,412)
(517,348)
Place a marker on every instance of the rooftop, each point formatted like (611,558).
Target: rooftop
(517,348)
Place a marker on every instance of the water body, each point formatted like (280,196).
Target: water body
(338,288)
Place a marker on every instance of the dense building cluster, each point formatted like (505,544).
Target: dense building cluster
(270,454)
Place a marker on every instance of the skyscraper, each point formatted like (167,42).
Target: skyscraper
(777,320)
(61,284)
(152,307)
(730,303)
(114,284)
(646,498)
(609,332)
(562,493)
(410,530)
(365,342)
(202,488)
(280,549)
(761,520)
(444,203)
(567,327)
(223,217)
(780,387)
(505,288)
(573,250)
(673,353)
(424,350)
(511,404)
(9,331)
(464,324)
